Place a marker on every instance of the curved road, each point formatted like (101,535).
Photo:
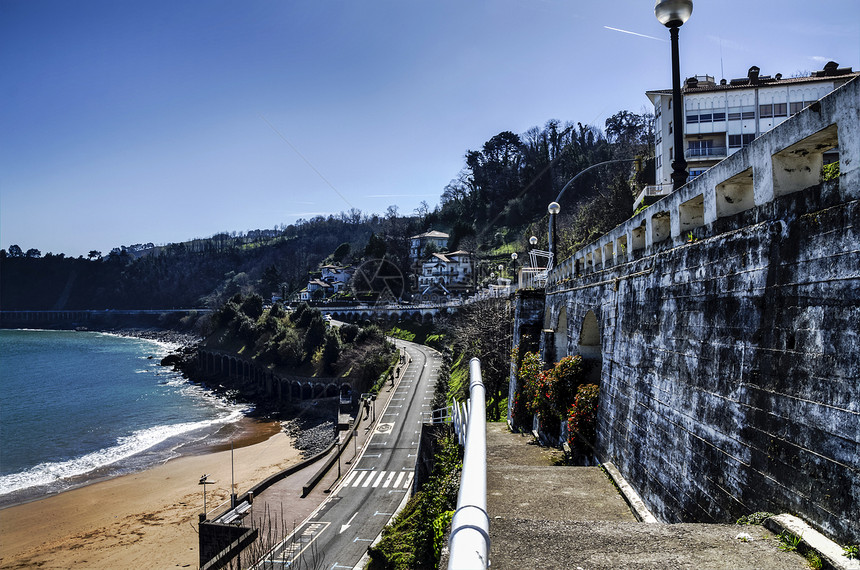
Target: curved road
(337,534)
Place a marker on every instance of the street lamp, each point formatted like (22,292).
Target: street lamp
(514,262)
(204,480)
(533,241)
(673,14)
(554,208)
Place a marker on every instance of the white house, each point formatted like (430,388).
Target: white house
(722,118)
(336,276)
(452,273)
(418,244)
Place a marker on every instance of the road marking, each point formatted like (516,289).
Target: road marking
(399,478)
(377,513)
(349,478)
(383,428)
(378,479)
(360,477)
(363,540)
(369,479)
(388,481)
(343,527)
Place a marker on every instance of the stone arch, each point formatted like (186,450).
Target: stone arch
(589,345)
(307,391)
(331,391)
(295,391)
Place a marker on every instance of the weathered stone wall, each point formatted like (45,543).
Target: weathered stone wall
(725,319)
(730,365)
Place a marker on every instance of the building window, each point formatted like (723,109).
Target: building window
(740,141)
(659,161)
(692,119)
(670,127)
(700,148)
(779,110)
(696,172)
(670,104)
(719,117)
(765,111)
(671,154)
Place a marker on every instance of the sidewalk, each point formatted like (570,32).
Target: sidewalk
(545,516)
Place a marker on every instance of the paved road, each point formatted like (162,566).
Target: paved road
(337,535)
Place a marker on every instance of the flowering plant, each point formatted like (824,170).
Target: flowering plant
(582,418)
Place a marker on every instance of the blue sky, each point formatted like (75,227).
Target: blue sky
(127,122)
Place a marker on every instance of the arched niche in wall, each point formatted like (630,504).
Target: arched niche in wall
(589,345)
(560,335)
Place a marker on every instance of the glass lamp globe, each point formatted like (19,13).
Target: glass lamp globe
(533,240)
(554,208)
(673,12)
(514,256)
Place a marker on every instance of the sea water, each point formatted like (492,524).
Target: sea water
(81,406)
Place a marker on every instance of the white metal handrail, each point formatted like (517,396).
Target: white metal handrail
(469,544)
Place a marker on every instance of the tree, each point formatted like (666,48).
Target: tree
(253,306)
(94,254)
(331,350)
(314,335)
(483,330)
(375,248)
(341,252)
(34,253)
(271,280)
(15,251)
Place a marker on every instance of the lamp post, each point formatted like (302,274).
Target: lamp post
(514,263)
(554,208)
(673,14)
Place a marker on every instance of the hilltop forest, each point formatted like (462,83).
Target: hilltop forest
(491,207)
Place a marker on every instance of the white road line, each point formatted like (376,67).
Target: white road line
(349,478)
(369,479)
(360,477)
(408,482)
(378,479)
(399,478)
(388,480)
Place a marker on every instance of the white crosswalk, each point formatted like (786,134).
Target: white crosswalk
(379,479)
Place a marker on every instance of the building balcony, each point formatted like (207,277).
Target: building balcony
(706,153)
(651,194)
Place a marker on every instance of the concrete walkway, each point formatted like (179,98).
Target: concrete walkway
(547,516)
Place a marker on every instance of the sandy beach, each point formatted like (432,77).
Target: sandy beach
(142,520)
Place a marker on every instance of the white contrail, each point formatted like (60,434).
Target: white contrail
(634,33)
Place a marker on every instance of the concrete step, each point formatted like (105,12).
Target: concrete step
(592,545)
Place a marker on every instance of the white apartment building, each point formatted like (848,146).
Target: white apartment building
(722,118)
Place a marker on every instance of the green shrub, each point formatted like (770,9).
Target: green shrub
(830,171)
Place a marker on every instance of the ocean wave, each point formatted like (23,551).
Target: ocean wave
(126,447)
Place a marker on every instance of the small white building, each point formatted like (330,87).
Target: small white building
(452,272)
(336,276)
(722,118)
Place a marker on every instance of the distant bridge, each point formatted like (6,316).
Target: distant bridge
(283,387)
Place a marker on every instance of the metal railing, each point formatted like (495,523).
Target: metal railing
(469,544)
(706,152)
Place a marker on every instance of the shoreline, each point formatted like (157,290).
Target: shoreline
(123,521)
